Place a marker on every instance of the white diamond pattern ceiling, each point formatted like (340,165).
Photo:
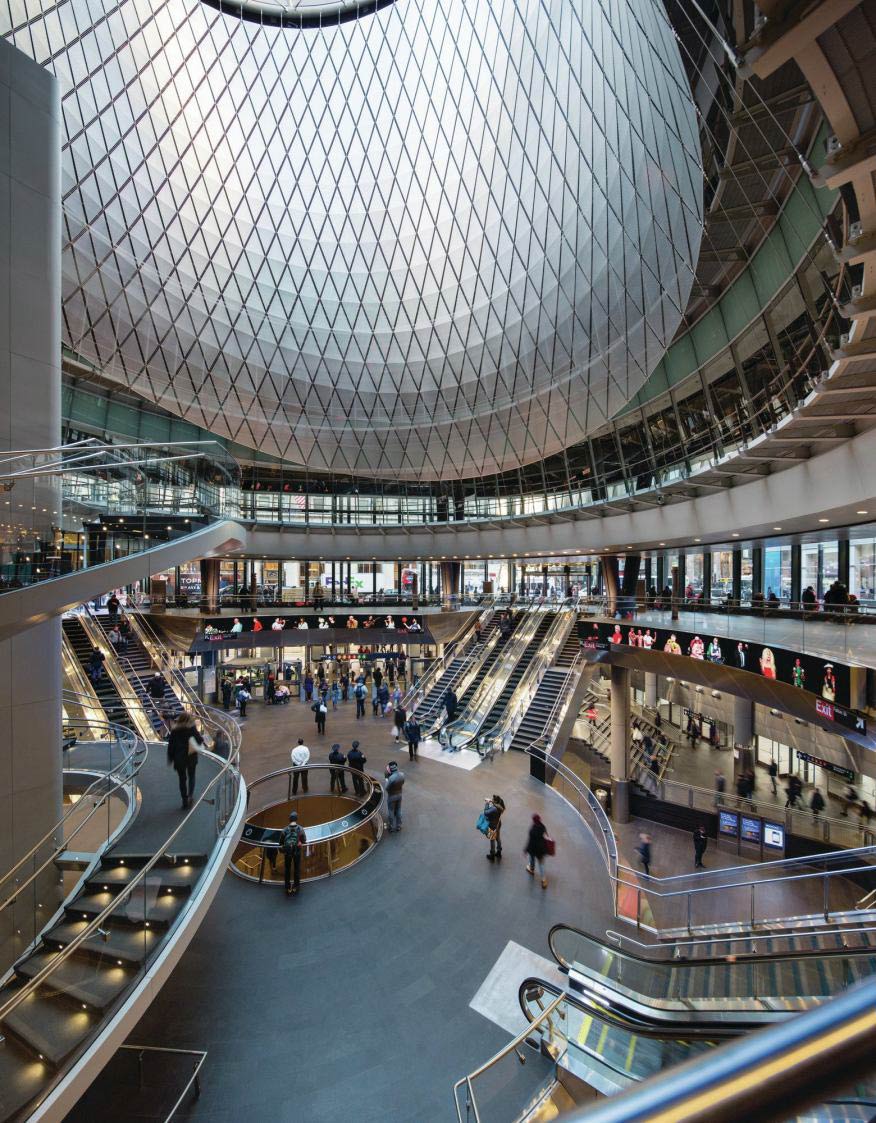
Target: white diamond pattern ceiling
(442,240)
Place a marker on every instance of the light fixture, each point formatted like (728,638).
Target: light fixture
(862,512)
(824,520)
(777,528)
(735,534)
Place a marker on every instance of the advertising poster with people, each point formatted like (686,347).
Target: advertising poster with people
(828,681)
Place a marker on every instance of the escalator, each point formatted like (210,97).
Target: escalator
(430,709)
(498,707)
(137,666)
(742,991)
(488,664)
(539,709)
(609,1051)
(113,706)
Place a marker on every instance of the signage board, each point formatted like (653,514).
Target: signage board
(728,823)
(828,766)
(851,719)
(774,835)
(750,829)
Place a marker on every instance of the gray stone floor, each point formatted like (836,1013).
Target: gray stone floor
(353,1000)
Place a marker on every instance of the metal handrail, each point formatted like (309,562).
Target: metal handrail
(621,938)
(505,1051)
(105,785)
(164,658)
(515,709)
(132,702)
(552,722)
(311,767)
(229,768)
(195,1078)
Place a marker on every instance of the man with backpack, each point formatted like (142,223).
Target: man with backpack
(360,692)
(291,841)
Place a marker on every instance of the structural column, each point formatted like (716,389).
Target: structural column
(743,721)
(620,744)
(451,578)
(650,690)
(210,584)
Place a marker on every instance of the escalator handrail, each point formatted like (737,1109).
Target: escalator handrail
(716,960)
(681,1030)
(765,1075)
(457,648)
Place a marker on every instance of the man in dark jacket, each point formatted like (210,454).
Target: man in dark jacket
(451,703)
(320,709)
(360,692)
(182,744)
(291,841)
(395,782)
(700,842)
(112,607)
(493,810)
(157,686)
(338,777)
(227,688)
(356,760)
(413,733)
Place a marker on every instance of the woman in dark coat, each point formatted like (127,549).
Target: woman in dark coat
(536,848)
(183,741)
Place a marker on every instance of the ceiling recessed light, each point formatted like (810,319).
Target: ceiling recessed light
(661,543)
(735,533)
(862,512)
(777,528)
(824,520)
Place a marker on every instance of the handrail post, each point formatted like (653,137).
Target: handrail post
(826,882)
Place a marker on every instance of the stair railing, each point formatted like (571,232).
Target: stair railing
(126,756)
(225,792)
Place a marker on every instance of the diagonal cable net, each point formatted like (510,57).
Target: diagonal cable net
(446,240)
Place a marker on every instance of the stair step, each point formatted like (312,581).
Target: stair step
(115,878)
(130,945)
(49,1026)
(21,1078)
(80,980)
(160,911)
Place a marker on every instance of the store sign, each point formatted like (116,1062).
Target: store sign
(851,719)
(835,769)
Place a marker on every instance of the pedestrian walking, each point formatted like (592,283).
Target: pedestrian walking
(700,841)
(319,711)
(383,704)
(291,841)
(300,757)
(243,696)
(308,687)
(112,607)
(360,692)
(450,704)
(95,665)
(183,743)
(644,852)
(793,791)
(865,812)
(773,772)
(393,785)
(538,845)
(817,804)
(494,809)
(413,733)
(399,717)
(335,695)
(227,687)
(356,760)
(720,787)
(338,776)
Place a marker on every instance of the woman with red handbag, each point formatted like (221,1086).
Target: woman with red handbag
(538,846)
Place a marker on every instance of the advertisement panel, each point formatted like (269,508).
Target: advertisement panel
(828,681)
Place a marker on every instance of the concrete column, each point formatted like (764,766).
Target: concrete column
(610,571)
(451,579)
(210,584)
(743,721)
(650,690)
(620,744)
(30,417)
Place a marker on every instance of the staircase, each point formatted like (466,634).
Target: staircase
(498,707)
(138,667)
(113,706)
(539,710)
(42,1033)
